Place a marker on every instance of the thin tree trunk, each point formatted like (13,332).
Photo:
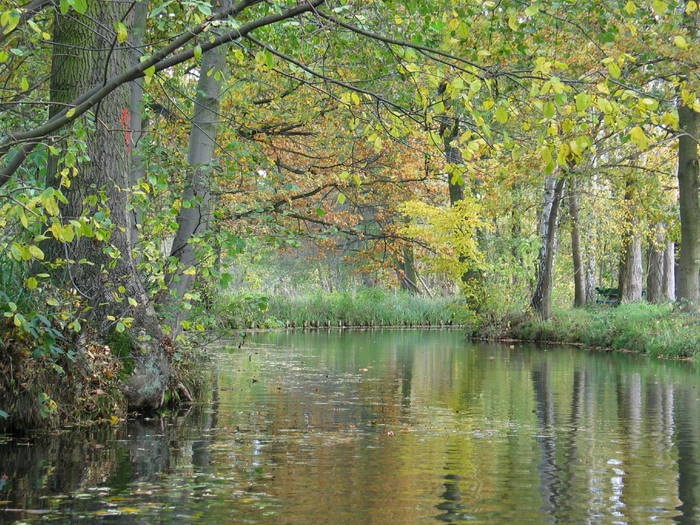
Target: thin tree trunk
(85,53)
(453,156)
(408,277)
(688,188)
(136,119)
(669,279)
(655,273)
(577,255)
(193,221)
(541,301)
(591,279)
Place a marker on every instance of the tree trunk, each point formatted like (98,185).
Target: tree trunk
(541,301)
(577,255)
(591,279)
(655,273)
(688,188)
(453,156)
(408,277)
(85,53)
(136,119)
(193,221)
(669,279)
(632,275)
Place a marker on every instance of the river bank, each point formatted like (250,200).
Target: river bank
(655,330)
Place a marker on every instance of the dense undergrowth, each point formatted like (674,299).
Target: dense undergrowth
(656,330)
(367,307)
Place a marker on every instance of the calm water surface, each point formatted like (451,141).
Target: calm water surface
(386,427)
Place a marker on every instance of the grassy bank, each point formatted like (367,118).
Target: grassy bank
(651,329)
(368,307)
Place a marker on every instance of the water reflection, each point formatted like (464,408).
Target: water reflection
(385,427)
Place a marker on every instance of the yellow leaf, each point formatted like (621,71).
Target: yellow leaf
(659,7)
(691,7)
(614,70)
(639,138)
(36,252)
(190,271)
(680,42)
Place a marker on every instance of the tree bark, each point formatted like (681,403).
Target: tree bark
(136,120)
(408,276)
(669,279)
(632,276)
(576,252)
(453,156)
(688,188)
(193,221)
(541,301)
(86,53)
(656,267)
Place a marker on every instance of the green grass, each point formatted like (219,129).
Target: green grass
(651,329)
(367,307)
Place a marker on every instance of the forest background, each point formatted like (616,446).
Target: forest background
(174,167)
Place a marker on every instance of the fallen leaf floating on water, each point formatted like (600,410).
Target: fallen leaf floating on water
(364,369)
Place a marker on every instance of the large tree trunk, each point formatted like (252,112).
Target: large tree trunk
(688,188)
(193,221)
(85,53)
(632,274)
(541,301)
(576,250)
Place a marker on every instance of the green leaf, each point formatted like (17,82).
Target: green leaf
(614,69)
(502,114)
(548,110)
(583,101)
(4,414)
(122,33)
(80,6)
(341,198)
(531,10)
(197,52)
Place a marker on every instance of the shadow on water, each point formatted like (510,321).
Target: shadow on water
(75,473)
(385,427)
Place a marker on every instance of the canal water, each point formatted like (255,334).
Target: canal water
(384,427)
